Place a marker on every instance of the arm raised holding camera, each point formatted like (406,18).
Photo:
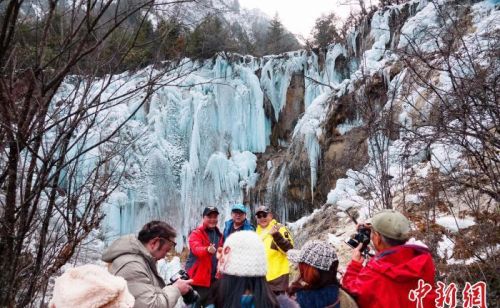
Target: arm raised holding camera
(281,237)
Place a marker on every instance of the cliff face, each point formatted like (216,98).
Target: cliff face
(407,120)
(284,168)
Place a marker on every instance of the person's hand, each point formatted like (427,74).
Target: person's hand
(211,249)
(184,286)
(356,254)
(274,229)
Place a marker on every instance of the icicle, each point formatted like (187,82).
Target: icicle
(386,73)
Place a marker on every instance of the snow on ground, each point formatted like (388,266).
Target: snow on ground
(445,157)
(413,198)
(344,188)
(298,224)
(445,248)
(454,224)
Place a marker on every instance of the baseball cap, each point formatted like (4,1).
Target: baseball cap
(239,207)
(210,209)
(318,254)
(391,224)
(262,208)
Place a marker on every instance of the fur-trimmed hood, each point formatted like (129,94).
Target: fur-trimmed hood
(90,286)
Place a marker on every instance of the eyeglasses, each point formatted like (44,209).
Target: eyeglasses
(172,242)
(169,240)
(261,215)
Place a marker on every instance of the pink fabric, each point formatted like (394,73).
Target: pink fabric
(90,286)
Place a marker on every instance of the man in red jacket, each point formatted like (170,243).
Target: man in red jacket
(388,277)
(201,264)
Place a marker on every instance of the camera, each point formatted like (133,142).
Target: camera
(190,297)
(363,236)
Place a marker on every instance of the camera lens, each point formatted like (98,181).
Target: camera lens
(191,297)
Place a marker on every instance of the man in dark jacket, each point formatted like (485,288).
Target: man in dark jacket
(134,258)
(201,264)
(238,221)
(388,277)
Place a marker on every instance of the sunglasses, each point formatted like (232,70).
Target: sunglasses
(261,215)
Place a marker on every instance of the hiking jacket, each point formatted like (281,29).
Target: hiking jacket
(228,225)
(389,276)
(276,248)
(199,262)
(130,259)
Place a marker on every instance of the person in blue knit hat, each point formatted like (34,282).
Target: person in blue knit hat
(238,221)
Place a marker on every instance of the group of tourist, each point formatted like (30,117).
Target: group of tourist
(249,267)
(205,267)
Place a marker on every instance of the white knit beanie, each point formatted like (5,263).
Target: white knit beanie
(90,286)
(243,255)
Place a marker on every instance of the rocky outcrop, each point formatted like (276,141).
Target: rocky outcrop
(274,163)
(284,169)
(294,108)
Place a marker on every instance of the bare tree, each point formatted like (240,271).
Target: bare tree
(455,72)
(376,103)
(61,141)
(464,103)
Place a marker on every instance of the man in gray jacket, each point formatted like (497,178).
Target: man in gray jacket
(134,259)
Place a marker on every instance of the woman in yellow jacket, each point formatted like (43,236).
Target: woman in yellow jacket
(277,241)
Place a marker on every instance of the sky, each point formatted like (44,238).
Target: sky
(298,16)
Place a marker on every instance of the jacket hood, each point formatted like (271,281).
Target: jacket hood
(128,244)
(403,263)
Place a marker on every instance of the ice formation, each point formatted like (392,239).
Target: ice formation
(198,134)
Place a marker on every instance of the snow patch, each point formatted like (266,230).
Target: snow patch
(455,224)
(445,248)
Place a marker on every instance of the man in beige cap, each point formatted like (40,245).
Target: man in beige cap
(394,271)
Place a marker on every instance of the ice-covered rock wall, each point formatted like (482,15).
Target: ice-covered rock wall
(198,135)
(196,138)
(201,137)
